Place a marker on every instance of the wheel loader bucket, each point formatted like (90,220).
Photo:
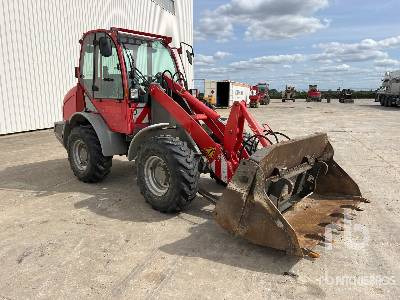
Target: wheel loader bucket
(284,195)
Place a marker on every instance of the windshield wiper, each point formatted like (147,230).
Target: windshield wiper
(133,68)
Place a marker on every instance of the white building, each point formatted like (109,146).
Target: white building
(40,48)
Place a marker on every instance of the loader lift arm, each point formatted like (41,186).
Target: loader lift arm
(224,155)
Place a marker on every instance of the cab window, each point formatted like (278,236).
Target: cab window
(108,76)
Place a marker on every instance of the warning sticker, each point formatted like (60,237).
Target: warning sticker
(210,152)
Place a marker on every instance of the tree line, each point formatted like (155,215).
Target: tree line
(275,94)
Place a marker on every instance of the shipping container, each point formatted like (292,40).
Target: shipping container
(210,91)
(229,91)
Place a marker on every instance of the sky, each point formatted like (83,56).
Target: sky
(332,43)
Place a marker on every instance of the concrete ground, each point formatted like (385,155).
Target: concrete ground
(61,238)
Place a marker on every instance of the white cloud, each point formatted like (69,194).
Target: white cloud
(335,68)
(223,71)
(282,27)
(262,19)
(219,28)
(208,60)
(354,65)
(387,62)
(365,50)
(221,55)
(263,61)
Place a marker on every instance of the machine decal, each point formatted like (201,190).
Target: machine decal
(141,114)
(210,152)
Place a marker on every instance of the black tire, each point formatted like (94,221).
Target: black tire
(381,101)
(294,100)
(182,173)
(97,166)
(283,100)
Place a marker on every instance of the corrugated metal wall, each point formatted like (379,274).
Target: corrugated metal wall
(39,49)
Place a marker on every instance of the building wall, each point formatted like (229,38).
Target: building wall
(39,49)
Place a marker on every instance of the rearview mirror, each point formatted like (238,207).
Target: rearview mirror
(76,72)
(190,56)
(105,46)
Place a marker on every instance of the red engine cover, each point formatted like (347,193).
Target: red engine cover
(73,102)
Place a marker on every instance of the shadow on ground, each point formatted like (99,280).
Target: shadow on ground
(210,242)
(118,197)
(379,107)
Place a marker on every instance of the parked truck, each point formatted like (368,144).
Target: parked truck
(313,94)
(289,94)
(345,96)
(263,90)
(389,93)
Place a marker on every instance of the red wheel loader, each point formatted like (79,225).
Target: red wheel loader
(131,98)
(263,93)
(255,98)
(313,94)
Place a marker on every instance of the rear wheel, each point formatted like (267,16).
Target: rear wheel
(385,102)
(379,99)
(168,174)
(85,155)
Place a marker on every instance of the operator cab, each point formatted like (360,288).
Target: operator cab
(145,58)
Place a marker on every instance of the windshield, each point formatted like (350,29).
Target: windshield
(263,87)
(149,57)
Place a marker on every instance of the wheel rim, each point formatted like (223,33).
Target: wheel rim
(156,175)
(80,155)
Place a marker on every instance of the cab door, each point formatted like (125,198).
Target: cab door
(108,91)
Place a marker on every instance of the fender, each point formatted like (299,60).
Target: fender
(111,143)
(143,135)
(152,130)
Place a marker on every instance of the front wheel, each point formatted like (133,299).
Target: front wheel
(168,174)
(85,155)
